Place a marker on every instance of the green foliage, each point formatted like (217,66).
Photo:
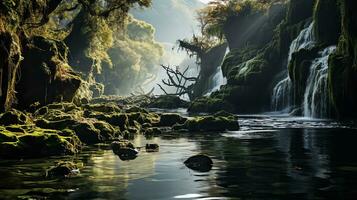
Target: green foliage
(135,57)
(215,15)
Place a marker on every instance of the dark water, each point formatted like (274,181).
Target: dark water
(270,158)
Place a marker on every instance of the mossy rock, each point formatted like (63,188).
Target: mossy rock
(107,131)
(223,113)
(59,111)
(84,129)
(124,149)
(88,133)
(247,73)
(136,109)
(167,102)
(211,123)
(63,169)
(103,107)
(153,131)
(39,143)
(120,120)
(210,105)
(170,119)
(117,145)
(152,147)
(7,136)
(143,118)
(14,117)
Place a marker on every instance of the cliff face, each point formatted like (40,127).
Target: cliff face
(343,64)
(259,49)
(307,65)
(331,63)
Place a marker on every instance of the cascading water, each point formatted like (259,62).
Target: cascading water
(316,93)
(217,81)
(282,92)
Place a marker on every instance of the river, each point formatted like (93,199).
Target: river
(271,157)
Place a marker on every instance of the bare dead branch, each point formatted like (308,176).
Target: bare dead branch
(179,80)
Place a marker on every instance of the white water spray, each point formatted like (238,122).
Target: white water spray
(316,94)
(217,81)
(282,92)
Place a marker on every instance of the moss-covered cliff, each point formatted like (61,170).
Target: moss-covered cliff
(251,69)
(343,64)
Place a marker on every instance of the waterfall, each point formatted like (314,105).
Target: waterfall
(217,81)
(316,93)
(282,92)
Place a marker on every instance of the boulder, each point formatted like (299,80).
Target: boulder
(36,142)
(170,119)
(152,147)
(152,131)
(14,117)
(63,169)
(124,149)
(200,162)
(103,107)
(212,123)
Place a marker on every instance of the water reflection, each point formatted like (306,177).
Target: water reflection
(262,161)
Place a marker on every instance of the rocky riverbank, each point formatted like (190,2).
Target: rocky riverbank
(64,128)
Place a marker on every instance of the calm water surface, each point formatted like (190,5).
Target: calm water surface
(269,158)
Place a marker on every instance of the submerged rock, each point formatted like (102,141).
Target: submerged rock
(152,147)
(200,162)
(117,145)
(124,149)
(63,169)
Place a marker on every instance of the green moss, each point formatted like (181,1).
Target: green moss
(63,169)
(236,57)
(7,136)
(14,117)
(107,131)
(167,102)
(153,131)
(38,142)
(104,108)
(247,72)
(120,120)
(170,119)
(210,105)
(212,123)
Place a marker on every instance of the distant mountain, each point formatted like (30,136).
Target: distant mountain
(173,19)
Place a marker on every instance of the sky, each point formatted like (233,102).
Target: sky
(205,1)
